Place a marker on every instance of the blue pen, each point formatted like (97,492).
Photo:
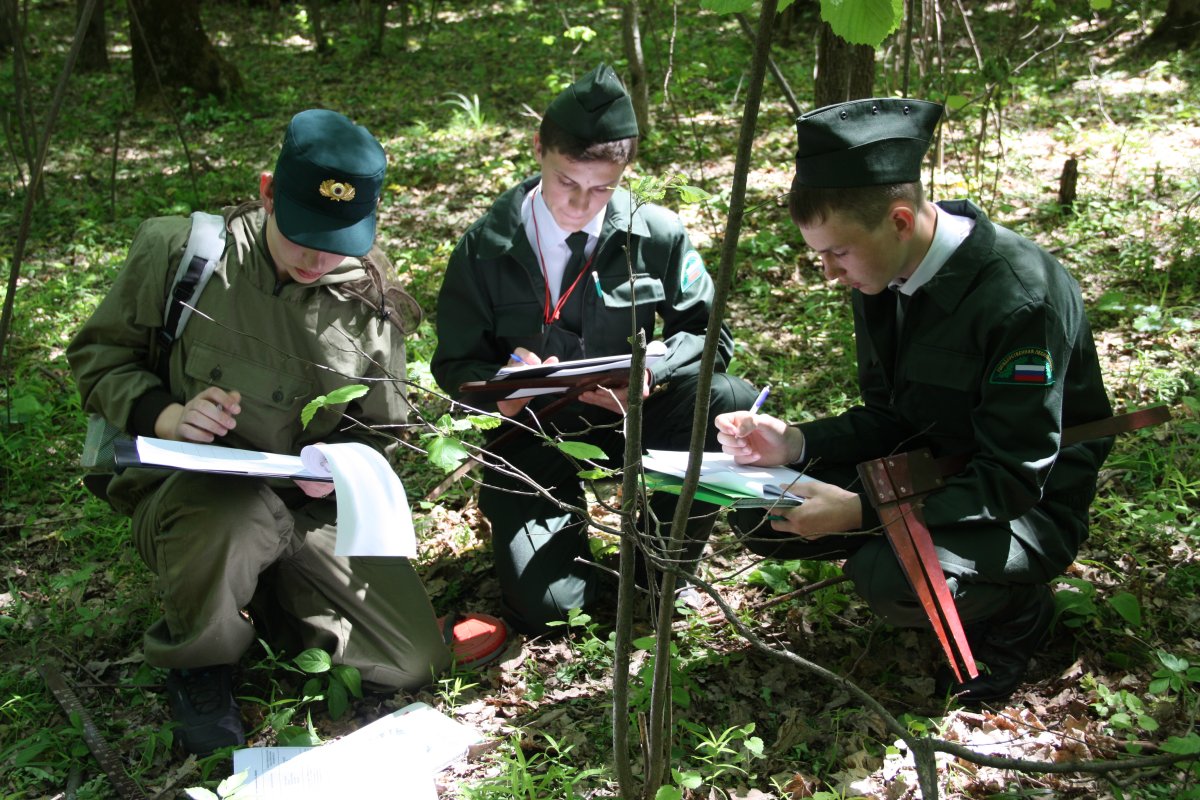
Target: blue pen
(518,359)
(596,280)
(762,398)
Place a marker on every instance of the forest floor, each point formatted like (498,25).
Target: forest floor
(1121,675)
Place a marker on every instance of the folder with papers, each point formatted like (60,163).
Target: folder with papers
(725,482)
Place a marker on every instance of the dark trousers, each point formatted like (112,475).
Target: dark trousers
(536,543)
(988,564)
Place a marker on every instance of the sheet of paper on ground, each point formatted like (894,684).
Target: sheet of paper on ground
(398,753)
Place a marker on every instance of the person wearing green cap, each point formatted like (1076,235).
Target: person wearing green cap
(971,341)
(545,275)
(298,306)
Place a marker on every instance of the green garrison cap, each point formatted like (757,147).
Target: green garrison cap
(870,142)
(595,108)
(327,182)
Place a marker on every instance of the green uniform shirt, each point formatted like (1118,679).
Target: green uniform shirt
(278,344)
(996,358)
(492,298)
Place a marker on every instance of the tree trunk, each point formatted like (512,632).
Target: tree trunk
(380,27)
(658,732)
(19,120)
(639,86)
(8,24)
(171,52)
(844,71)
(1179,29)
(313,7)
(94,55)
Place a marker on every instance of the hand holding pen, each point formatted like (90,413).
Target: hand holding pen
(521,357)
(752,437)
(760,400)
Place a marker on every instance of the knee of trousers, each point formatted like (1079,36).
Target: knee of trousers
(881,582)
(730,393)
(207,514)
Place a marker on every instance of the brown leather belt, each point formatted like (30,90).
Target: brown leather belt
(895,485)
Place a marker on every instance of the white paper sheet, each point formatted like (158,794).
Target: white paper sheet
(344,768)
(392,757)
(215,458)
(373,518)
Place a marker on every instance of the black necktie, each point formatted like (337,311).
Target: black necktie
(902,302)
(572,309)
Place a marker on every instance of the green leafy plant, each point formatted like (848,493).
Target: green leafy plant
(1077,608)
(452,690)
(1177,678)
(714,755)
(468,109)
(335,398)
(232,788)
(333,683)
(592,654)
(444,444)
(323,680)
(544,773)
(1124,711)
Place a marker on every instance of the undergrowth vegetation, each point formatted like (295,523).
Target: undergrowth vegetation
(448,98)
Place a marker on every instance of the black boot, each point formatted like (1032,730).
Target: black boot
(203,706)
(1008,641)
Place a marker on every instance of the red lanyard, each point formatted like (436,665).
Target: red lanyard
(551,315)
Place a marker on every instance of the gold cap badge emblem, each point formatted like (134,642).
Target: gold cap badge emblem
(337,190)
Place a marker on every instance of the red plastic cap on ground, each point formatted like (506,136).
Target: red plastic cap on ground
(477,639)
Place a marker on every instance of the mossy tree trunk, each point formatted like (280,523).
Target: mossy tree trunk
(171,52)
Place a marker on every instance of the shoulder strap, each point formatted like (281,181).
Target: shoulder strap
(206,245)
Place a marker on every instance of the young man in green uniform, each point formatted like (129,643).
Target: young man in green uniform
(545,275)
(971,340)
(296,308)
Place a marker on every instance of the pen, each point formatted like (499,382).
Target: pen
(517,358)
(596,280)
(762,398)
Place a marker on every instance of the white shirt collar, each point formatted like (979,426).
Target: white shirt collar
(549,242)
(534,210)
(949,232)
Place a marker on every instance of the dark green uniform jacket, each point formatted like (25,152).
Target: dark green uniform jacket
(492,297)
(492,301)
(996,359)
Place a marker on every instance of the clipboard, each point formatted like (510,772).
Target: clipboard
(190,456)
(515,385)
(578,375)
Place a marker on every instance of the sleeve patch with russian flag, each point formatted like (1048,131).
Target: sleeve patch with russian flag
(1029,366)
(692,271)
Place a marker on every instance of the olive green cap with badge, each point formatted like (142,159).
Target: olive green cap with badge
(327,182)
(873,142)
(596,108)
